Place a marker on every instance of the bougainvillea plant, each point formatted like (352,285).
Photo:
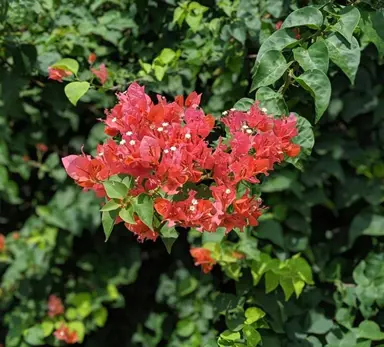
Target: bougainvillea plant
(167,165)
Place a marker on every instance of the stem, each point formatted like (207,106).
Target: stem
(287,82)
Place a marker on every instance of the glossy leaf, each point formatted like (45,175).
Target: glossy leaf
(272,101)
(318,85)
(143,207)
(372,28)
(315,57)
(347,22)
(345,55)
(269,69)
(108,221)
(306,16)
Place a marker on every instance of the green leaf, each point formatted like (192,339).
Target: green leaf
(79,327)
(83,304)
(279,40)
(318,85)
(302,268)
(288,289)
(167,55)
(115,189)
(187,286)
(244,104)
(318,323)
(253,314)
(127,214)
(347,23)
(67,64)
(315,57)
(306,16)
(270,230)
(252,335)
(298,286)
(272,101)
(159,72)
(169,236)
(108,221)
(100,316)
(230,335)
(47,327)
(143,207)
(306,140)
(34,336)
(372,28)
(344,54)
(370,330)
(235,319)
(366,223)
(271,281)
(194,21)
(269,69)
(185,328)
(110,206)
(75,90)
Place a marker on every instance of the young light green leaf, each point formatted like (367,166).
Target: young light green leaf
(253,314)
(345,55)
(347,23)
(306,140)
(159,72)
(108,221)
(79,327)
(167,55)
(272,101)
(318,85)
(315,57)
(372,28)
(279,40)
(306,16)
(115,189)
(252,335)
(287,285)
(298,286)
(67,64)
(75,90)
(143,206)
(244,104)
(269,69)
(110,206)
(127,214)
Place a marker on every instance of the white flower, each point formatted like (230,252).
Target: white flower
(165,124)
(129,133)
(114,120)
(245,126)
(187,136)
(173,148)
(132,142)
(122,142)
(227,191)
(101,154)
(166,151)
(264,110)
(249,131)
(160,129)
(192,208)
(225,113)
(232,109)
(194,202)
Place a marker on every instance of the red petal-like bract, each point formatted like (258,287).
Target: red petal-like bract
(164,147)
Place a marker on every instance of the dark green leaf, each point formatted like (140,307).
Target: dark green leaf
(108,221)
(306,16)
(272,101)
(315,57)
(344,54)
(318,85)
(347,23)
(169,236)
(244,104)
(372,27)
(366,223)
(269,69)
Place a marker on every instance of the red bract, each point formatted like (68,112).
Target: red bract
(2,242)
(64,334)
(42,147)
(164,147)
(91,58)
(101,73)
(58,74)
(55,306)
(202,256)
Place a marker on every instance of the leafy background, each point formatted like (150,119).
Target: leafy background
(125,293)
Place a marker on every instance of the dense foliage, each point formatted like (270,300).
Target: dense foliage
(309,275)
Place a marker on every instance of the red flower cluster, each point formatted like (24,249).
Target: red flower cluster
(64,334)
(164,147)
(2,242)
(57,74)
(203,257)
(55,306)
(101,73)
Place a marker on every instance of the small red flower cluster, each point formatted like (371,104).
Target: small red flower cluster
(203,257)
(164,147)
(55,306)
(64,334)
(57,74)
(2,242)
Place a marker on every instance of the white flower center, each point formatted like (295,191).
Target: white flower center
(249,131)
(122,142)
(173,148)
(166,151)
(245,126)
(114,120)
(194,202)
(160,129)
(264,110)
(187,136)
(192,208)
(228,191)
(225,113)
(165,124)
(101,154)
(132,142)
(129,133)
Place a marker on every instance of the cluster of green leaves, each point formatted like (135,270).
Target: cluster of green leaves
(330,212)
